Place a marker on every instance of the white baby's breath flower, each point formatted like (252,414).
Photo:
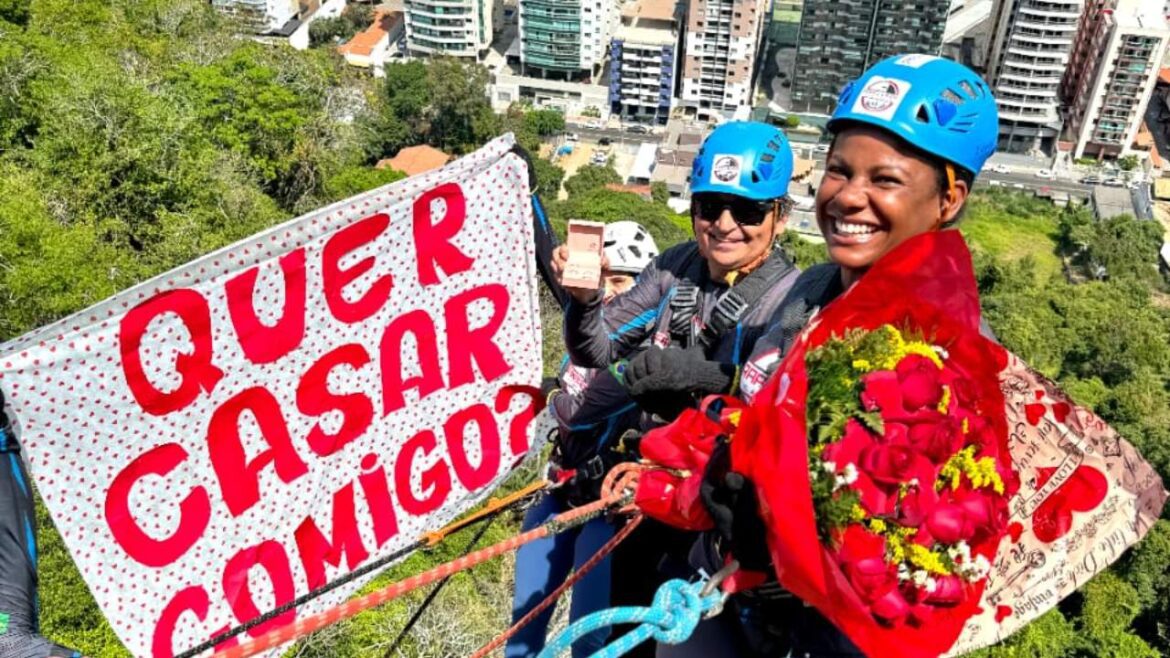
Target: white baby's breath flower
(921,577)
(849,473)
(941,352)
(903,572)
(830,467)
(931,585)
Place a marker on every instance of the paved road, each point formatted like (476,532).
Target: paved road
(1028,181)
(593,134)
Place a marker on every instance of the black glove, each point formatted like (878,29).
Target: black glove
(674,370)
(730,499)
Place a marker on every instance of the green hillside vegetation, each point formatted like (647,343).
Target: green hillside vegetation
(136,135)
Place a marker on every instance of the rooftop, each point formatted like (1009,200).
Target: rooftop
(656,36)
(363,43)
(655,10)
(414,160)
(1112,201)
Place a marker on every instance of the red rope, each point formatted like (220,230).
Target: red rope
(301,627)
(605,550)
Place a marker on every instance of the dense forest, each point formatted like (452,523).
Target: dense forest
(136,135)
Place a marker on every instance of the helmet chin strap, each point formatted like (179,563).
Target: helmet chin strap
(950,191)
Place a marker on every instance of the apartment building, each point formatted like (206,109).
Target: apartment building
(1119,51)
(565,39)
(260,15)
(1031,48)
(721,57)
(643,61)
(841,38)
(459,28)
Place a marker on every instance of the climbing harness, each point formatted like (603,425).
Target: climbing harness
(671,618)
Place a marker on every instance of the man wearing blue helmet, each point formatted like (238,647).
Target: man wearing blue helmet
(909,137)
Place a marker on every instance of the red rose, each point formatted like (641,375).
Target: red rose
(921,614)
(948,523)
(918,377)
(948,591)
(938,440)
(891,608)
(917,504)
(890,465)
(848,449)
(871,577)
(881,391)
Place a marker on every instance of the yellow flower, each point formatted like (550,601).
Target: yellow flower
(981,473)
(927,560)
(945,402)
(858,513)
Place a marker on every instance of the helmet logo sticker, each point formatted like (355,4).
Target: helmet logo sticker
(915,61)
(881,97)
(726,168)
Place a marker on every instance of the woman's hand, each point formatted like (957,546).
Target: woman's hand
(583,295)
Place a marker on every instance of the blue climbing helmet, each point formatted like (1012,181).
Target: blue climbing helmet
(935,104)
(745,158)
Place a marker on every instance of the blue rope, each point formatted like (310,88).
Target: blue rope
(677,608)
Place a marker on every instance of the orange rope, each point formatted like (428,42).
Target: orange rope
(601,554)
(493,505)
(613,494)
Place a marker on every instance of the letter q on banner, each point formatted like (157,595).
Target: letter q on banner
(238,432)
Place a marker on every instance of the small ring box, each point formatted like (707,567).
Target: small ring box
(585,242)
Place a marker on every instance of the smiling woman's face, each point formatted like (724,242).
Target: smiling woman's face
(876,194)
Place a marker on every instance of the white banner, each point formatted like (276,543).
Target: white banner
(242,430)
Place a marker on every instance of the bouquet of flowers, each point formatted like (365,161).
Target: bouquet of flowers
(921,486)
(910,480)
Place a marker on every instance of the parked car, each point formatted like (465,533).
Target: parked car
(1091,180)
(1044,173)
(571,137)
(595,125)
(1000,169)
(604,141)
(821,148)
(599,158)
(638,128)
(1113,182)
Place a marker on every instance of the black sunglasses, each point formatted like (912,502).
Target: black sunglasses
(746,212)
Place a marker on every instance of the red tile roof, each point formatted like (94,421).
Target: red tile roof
(414,160)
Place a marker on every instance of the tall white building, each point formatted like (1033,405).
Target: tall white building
(263,15)
(1119,52)
(459,28)
(644,61)
(1031,47)
(565,39)
(721,56)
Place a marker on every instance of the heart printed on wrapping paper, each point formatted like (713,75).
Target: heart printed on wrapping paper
(1082,492)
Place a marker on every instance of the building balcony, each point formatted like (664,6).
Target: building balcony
(546,36)
(552,62)
(1026,13)
(525,5)
(1029,77)
(1066,26)
(426,46)
(1033,65)
(1021,114)
(445,38)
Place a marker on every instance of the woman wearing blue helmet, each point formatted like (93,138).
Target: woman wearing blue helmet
(909,137)
(702,304)
(694,313)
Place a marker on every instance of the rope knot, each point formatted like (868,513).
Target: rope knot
(680,608)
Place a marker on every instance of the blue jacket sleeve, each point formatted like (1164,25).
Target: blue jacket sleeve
(596,335)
